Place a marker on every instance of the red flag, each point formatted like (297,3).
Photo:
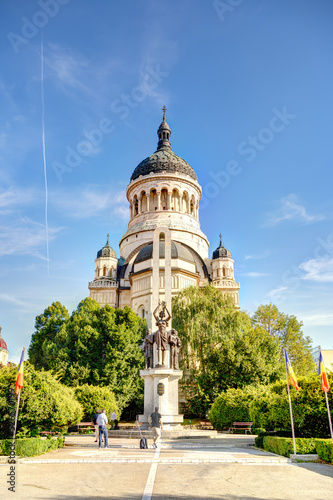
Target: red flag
(19,378)
(323,375)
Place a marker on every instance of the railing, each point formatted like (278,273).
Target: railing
(226,284)
(102,283)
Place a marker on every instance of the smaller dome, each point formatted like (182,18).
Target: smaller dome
(178,251)
(221,251)
(107,251)
(3,344)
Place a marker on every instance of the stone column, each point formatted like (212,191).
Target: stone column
(168,201)
(139,205)
(158,200)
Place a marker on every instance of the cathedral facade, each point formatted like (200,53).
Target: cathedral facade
(163,192)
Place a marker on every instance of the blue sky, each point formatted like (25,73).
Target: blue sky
(248,87)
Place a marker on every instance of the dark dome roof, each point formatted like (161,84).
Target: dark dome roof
(163,160)
(178,251)
(221,251)
(107,251)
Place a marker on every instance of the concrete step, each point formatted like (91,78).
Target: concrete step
(166,434)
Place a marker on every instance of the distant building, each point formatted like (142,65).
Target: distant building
(3,351)
(327,357)
(163,192)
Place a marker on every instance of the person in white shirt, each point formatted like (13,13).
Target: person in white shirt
(102,420)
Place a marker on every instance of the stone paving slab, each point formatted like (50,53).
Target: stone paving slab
(81,450)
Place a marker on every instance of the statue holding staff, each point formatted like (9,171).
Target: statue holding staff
(161,337)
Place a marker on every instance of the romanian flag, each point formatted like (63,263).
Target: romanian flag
(19,379)
(323,375)
(290,371)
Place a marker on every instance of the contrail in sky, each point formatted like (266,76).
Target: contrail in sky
(44,156)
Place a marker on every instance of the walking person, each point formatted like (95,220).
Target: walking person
(155,421)
(96,425)
(102,420)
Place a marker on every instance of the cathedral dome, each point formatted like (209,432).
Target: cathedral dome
(221,251)
(106,251)
(164,159)
(178,251)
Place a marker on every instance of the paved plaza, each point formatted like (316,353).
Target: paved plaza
(226,467)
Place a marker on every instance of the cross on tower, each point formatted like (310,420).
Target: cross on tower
(108,235)
(164,110)
(220,239)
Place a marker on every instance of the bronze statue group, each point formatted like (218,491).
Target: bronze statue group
(162,338)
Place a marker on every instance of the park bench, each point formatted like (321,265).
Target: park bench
(241,426)
(85,426)
(205,424)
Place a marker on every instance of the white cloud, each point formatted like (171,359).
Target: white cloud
(277,293)
(291,209)
(91,202)
(14,300)
(320,269)
(13,197)
(25,236)
(257,256)
(321,318)
(254,274)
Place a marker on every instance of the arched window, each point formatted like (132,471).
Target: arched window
(136,206)
(144,202)
(223,270)
(164,193)
(104,271)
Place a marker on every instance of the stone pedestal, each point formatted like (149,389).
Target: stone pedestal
(161,389)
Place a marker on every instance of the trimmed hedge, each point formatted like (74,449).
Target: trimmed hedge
(324,448)
(284,446)
(30,447)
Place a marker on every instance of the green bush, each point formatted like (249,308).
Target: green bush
(324,448)
(270,409)
(284,446)
(45,404)
(233,405)
(30,447)
(93,397)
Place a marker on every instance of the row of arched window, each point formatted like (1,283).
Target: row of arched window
(164,200)
(104,271)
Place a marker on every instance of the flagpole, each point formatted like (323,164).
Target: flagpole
(18,404)
(290,407)
(329,414)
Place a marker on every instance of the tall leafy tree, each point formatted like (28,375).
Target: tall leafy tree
(221,349)
(95,345)
(288,332)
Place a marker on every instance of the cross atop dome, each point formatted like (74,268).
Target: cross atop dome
(164,109)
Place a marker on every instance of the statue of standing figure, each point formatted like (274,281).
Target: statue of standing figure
(175,345)
(148,349)
(161,336)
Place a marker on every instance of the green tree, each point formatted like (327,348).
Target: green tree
(92,398)
(220,347)
(50,336)
(288,332)
(45,403)
(96,345)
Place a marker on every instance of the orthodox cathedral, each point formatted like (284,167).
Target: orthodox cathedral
(163,192)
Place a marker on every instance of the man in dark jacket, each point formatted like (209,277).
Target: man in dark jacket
(155,421)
